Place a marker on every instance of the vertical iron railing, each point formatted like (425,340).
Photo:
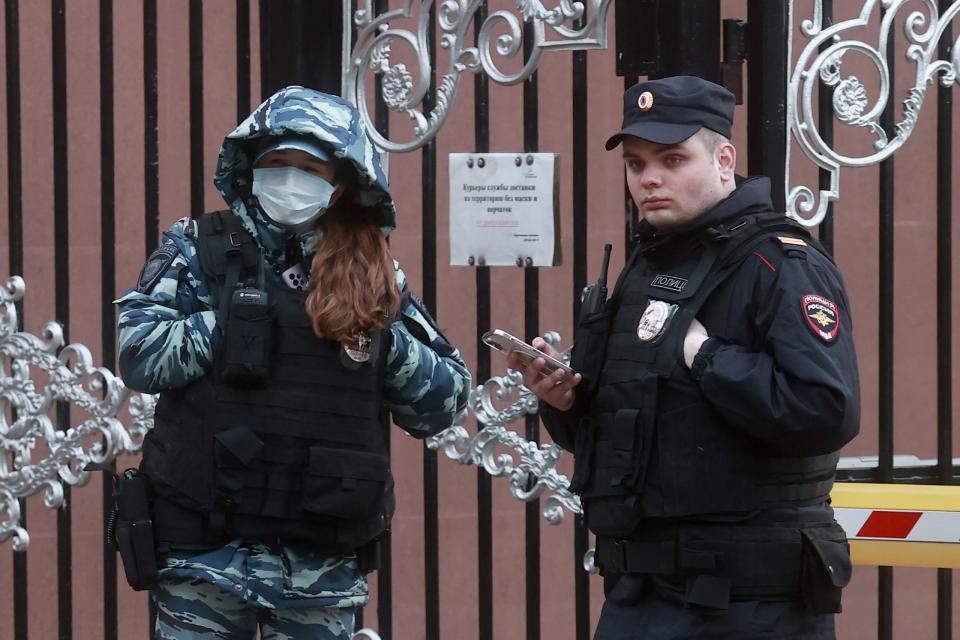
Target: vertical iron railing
(825,113)
(945,326)
(531,327)
(151,140)
(108,267)
(886,327)
(385,573)
(481,114)
(243,59)
(631,212)
(151,160)
(581,146)
(61,248)
(195,22)
(15,247)
(767,86)
(431,546)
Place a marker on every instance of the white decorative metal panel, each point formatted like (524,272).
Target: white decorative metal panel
(824,53)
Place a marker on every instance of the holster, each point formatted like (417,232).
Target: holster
(134,533)
(130,526)
(370,556)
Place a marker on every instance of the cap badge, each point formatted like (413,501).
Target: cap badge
(645,101)
(654,319)
(822,316)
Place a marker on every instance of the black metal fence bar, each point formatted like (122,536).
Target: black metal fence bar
(385,573)
(108,266)
(945,314)
(11,10)
(481,115)
(196,108)
(61,243)
(431,542)
(767,87)
(531,324)
(581,584)
(151,161)
(825,114)
(886,322)
(243,59)
(151,145)
(631,212)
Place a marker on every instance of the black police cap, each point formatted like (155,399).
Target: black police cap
(670,110)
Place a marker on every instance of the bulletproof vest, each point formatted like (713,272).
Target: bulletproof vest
(301,456)
(650,446)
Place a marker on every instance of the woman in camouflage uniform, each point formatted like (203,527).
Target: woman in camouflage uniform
(278,334)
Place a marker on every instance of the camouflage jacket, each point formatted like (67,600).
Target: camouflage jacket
(168,336)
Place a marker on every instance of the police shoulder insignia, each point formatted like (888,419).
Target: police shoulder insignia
(156,265)
(823,316)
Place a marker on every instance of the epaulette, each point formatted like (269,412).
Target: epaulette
(793,246)
(792,241)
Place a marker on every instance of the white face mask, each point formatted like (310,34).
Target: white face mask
(291,197)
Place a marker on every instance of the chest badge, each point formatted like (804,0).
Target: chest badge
(822,315)
(654,319)
(360,350)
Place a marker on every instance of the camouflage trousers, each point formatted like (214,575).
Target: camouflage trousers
(192,609)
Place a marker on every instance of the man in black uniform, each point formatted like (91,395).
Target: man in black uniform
(712,394)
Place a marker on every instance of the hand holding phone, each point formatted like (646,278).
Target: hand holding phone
(503,341)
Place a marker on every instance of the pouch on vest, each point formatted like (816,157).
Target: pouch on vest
(346,484)
(589,347)
(249,339)
(621,461)
(130,527)
(825,570)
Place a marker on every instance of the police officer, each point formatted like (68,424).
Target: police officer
(278,333)
(713,391)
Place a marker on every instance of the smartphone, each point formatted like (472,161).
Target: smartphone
(503,341)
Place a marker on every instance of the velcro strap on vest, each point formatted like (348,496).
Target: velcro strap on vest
(797,494)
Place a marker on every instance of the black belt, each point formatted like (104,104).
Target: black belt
(714,572)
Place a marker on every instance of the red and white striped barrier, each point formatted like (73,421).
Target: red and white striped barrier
(900,525)
(910,526)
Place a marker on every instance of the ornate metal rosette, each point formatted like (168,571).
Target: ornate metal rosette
(405,90)
(530,467)
(35,374)
(822,59)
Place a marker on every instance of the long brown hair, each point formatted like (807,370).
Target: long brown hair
(352,279)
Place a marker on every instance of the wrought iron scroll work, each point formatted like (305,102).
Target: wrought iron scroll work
(404,90)
(530,467)
(924,29)
(37,372)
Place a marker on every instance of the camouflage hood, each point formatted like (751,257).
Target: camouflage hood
(333,122)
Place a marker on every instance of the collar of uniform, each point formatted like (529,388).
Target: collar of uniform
(752,195)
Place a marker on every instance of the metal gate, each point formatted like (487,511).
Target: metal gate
(162,100)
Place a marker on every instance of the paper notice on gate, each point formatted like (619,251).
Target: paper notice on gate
(504,209)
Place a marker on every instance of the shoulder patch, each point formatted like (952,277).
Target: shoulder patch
(156,265)
(823,316)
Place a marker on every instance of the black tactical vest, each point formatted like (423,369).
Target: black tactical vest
(302,457)
(650,446)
